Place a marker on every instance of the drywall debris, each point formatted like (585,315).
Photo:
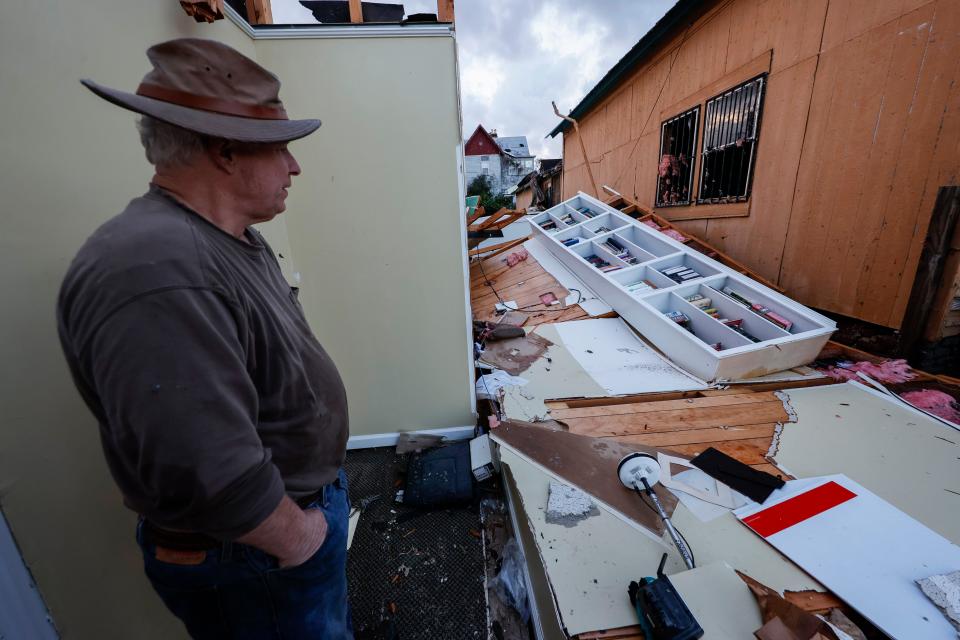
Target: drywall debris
(944,591)
(775,443)
(787,407)
(568,505)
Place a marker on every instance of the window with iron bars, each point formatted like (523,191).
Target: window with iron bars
(731,124)
(678,142)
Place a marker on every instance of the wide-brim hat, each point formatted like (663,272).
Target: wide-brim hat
(210,88)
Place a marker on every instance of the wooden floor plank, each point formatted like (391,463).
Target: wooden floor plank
(746,451)
(665,405)
(709,436)
(678,420)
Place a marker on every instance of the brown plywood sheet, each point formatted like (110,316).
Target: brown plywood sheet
(589,464)
(516,354)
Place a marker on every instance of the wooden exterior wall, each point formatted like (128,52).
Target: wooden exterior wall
(860,126)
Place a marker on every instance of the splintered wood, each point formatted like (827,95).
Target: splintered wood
(522,283)
(741,425)
(203,10)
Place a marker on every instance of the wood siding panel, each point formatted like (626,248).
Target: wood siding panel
(858,132)
(850,19)
(742,34)
(824,224)
(931,150)
(909,46)
(760,243)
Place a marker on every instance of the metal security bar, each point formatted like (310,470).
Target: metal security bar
(678,141)
(730,128)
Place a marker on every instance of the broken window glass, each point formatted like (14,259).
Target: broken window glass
(731,124)
(678,140)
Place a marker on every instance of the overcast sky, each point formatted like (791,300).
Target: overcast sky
(518,55)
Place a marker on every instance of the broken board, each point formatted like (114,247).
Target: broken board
(588,464)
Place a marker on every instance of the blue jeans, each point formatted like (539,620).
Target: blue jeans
(239,592)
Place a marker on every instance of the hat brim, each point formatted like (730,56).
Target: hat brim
(208,122)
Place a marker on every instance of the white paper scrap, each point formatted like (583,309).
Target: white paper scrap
(488,386)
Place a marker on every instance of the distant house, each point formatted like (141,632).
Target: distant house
(506,160)
(541,188)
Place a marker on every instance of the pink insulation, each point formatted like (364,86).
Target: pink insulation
(517,257)
(889,371)
(936,402)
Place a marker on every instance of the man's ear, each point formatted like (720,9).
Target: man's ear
(223,154)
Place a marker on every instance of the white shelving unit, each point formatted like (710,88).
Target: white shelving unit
(577,231)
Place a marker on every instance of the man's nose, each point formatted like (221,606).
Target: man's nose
(293,167)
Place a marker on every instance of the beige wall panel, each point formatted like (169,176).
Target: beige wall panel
(374,226)
(70,161)
(758,240)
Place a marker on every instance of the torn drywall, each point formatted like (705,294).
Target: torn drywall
(910,460)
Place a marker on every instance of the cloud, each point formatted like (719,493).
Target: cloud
(518,55)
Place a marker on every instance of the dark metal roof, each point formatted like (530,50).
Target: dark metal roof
(647,45)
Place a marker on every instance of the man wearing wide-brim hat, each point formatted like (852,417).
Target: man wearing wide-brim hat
(223,420)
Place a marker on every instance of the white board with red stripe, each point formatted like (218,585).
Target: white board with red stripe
(865,550)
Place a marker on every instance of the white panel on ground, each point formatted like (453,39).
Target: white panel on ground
(908,459)
(866,551)
(619,361)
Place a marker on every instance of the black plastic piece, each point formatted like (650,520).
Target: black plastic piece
(440,477)
(756,485)
(663,612)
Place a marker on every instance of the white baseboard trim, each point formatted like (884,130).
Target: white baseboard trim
(390,439)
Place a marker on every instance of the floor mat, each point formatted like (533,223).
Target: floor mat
(419,571)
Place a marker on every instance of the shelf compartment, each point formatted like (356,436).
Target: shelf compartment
(579,233)
(673,263)
(585,207)
(646,240)
(761,329)
(605,223)
(641,273)
(545,218)
(800,323)
(706,329)
(634,255)
(588,250)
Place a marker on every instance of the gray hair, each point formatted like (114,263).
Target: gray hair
(167,144)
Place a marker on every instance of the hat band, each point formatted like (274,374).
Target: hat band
(207,103)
